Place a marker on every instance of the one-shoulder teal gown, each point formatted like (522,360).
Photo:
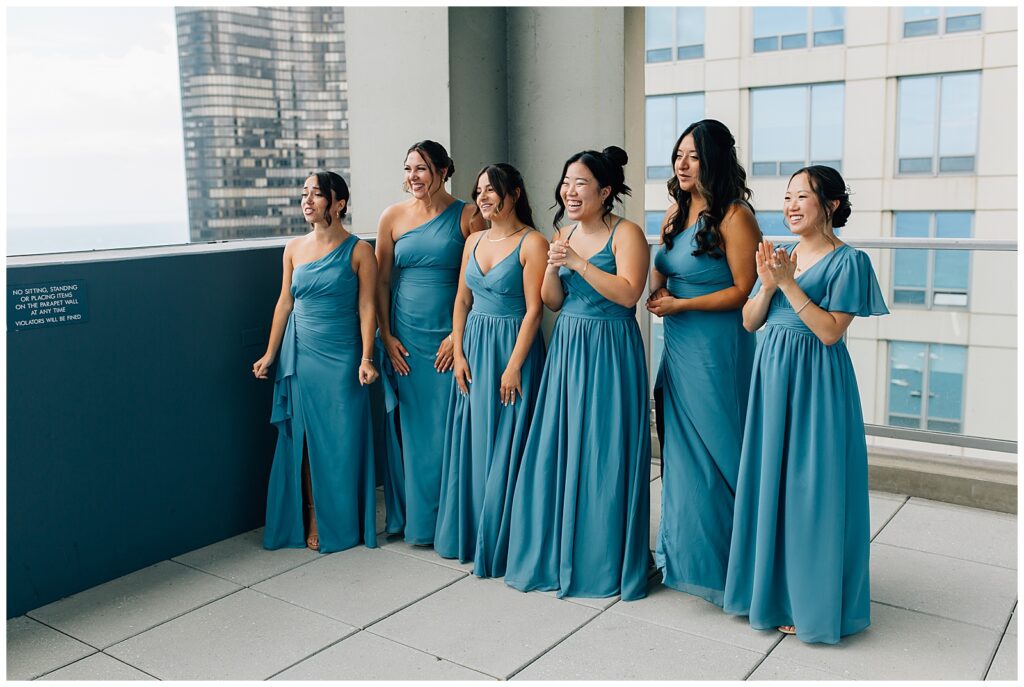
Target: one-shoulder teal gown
(581,510)
(801,531)
(705,377)
(424,282)
(318,401)
(485,439)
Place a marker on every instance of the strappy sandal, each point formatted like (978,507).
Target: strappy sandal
(787,629)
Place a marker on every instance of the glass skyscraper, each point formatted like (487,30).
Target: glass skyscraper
(264,98)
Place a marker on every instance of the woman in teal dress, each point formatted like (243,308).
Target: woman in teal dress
(801,532)
(419,251)
(499,356)
(322,338)
(700,281)
(581,511)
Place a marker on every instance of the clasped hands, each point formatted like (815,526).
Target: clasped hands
(775,267)
(561,254)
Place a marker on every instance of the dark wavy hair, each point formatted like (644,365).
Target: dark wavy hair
(436,158)
(334,187)
(506,181)
(606,167)
(721,181)
(828,186)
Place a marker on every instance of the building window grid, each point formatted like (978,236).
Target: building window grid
(787,167)
(929,290)
(676,52)
(949,19)
(820,37)
(679,100)
(937,159)
(924,420)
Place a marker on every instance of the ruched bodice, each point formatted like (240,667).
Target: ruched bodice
(689,275)
(499,293)
(326,293)
(582,299)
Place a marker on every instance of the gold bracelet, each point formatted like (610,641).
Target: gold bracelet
(806,303)
(586,264)
(366,360)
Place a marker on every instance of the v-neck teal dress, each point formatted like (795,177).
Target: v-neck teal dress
(424,282)
(484,443)
(801,530)
(581,510)
(705,378)
(319,402)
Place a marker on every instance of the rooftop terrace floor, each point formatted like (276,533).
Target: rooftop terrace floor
(944,591)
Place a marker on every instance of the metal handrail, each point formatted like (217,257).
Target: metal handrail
(903,242)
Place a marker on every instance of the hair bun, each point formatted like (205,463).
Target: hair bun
(616,155)
(842,213)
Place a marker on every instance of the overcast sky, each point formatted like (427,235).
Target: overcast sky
(93,117)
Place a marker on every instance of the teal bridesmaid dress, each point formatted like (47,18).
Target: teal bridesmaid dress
(485,439)
(424,282)
(581,511)
(801,531)
(704,377)
(319,402)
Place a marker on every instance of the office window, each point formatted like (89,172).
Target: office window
(652,222)
(674,33)
(786,28)
(926,385)
(794,126)
(931,278)
(937,124)
(668,116)
(930,21)
(772,223)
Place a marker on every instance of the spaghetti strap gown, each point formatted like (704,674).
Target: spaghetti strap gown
(801,531)
(319,402)
(425,279)
(484,444)
(581,510)
(705,377)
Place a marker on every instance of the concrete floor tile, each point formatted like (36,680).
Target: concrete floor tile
(424,553)
(655,511)
(900,645)
(243,560)
(599,604)
(245,636)
(97,667)
(359,586)
(34,649)
(616,647)
(655,469)
(381,513)
(670,608)
(484,625)
(365,656)
(882,507)
(1004,665)
(959,590)
(778,669)
(1011,629)
(124,607)
(955,531)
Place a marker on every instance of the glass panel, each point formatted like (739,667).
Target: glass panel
(951,267)
(915,165)
(689,109)
(764,169)
(772,223)
(690,25)
(796,40)
(834,164)
(652,222)
(914,13)
(949,300)
(956,164)
(906,374)
(943,426)
(946,381)
(828,18)
(911,422)
(660,55)
(916,125)
(789,168)
(657,346)
(658,28)
(779,119)
(660,134)
(957,24)
(906,297)
(827,121)
(766,44)
(921,28)
(958,115)
(961,11)
(910,266)
(822,38)
(691,52)
(953,225)
(659,172)
(775,21)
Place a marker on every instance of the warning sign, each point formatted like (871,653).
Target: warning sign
(44,305)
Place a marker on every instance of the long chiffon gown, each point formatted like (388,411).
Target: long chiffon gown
(801,531)
(485,439)
(318,401)
(581,510)
(424,282)
(704,377)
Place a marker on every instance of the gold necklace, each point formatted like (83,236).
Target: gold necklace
(490,240)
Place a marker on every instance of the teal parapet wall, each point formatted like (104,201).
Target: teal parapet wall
(137,433)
